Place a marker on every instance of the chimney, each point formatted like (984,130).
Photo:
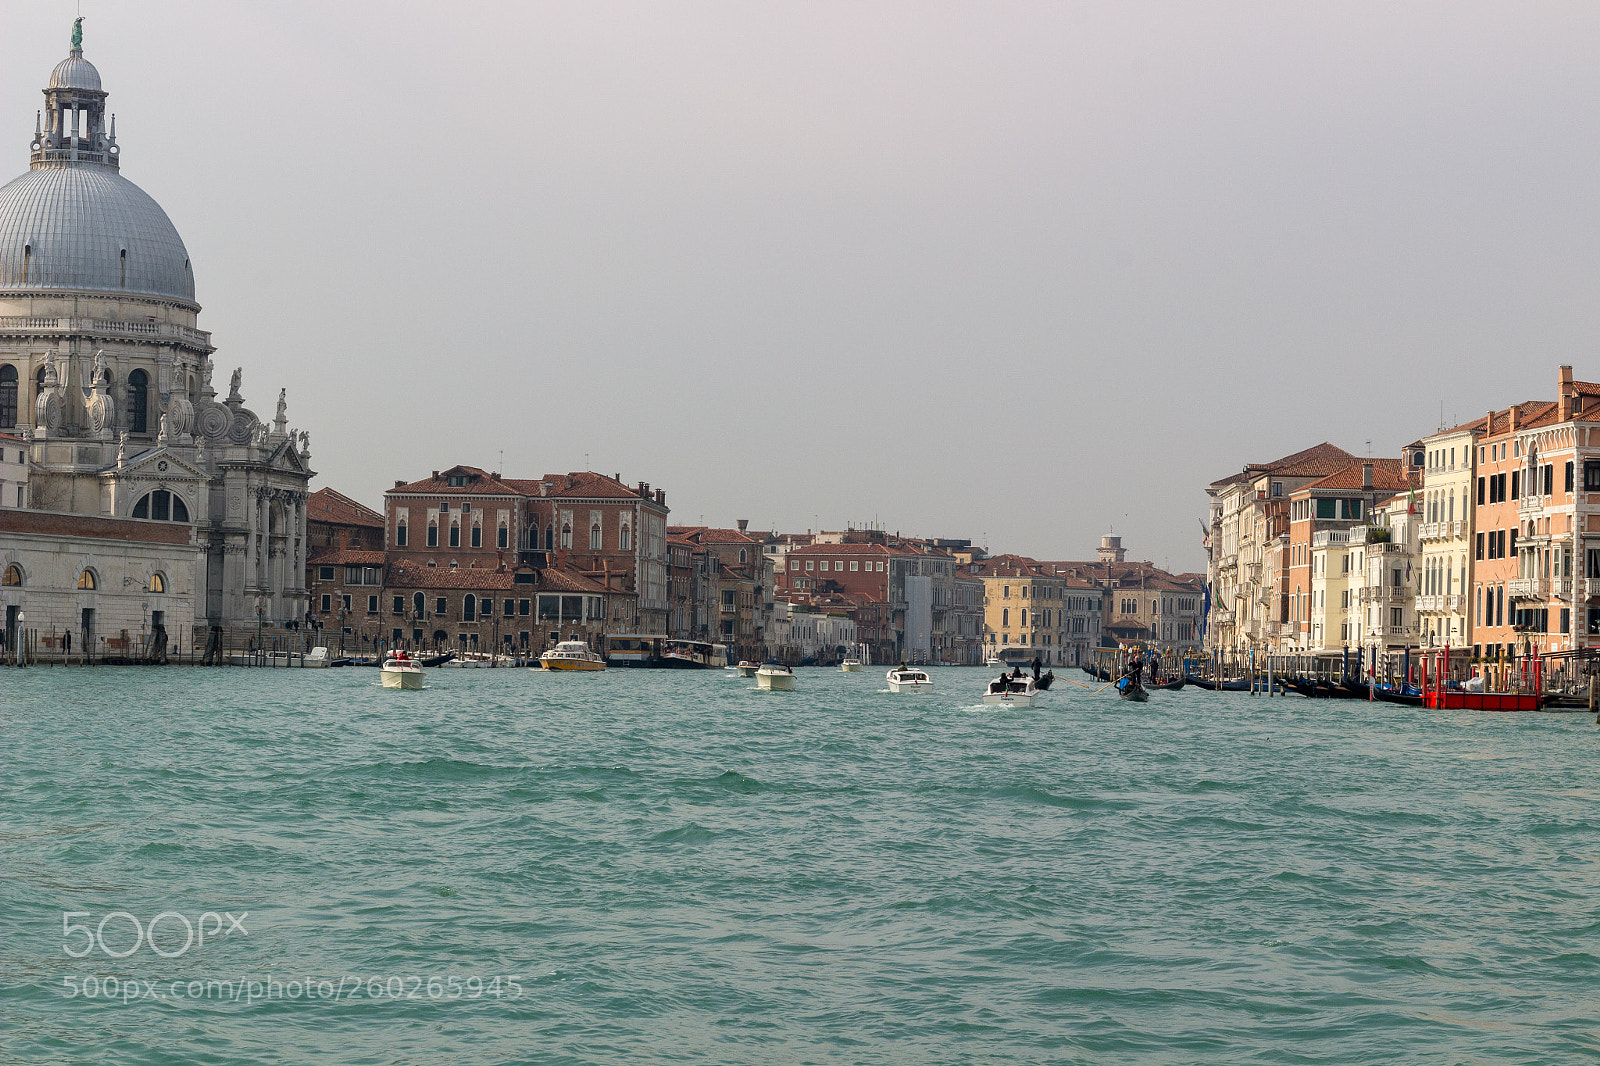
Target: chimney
(744,524)
(436,474)
(1566,392)
(1366,475)
(399,484)
(1513,410)
(1488,423)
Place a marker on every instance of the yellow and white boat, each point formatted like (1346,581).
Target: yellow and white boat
(571,655)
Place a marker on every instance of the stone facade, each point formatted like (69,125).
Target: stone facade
(113,377)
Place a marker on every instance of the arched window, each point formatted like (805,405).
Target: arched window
(742,558)
(158,582)
(566,536)
(594,537)
(8,396)
(86,580)
(503,536)
(419,604)
(550,539)
(138,402)
(455,534)
(162,506)
(38,384)
(433,535)
(12,578)
(625,539)
(469,607)
(400,535)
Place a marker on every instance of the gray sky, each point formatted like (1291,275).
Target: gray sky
(1014,272)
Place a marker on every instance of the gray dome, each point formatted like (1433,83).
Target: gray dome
(75,72)
(68,227)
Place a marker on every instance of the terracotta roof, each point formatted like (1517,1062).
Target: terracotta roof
(445,577)
(708,535)
(9,439)
(479,483)
(1316,461)
(57,524)
(335,508)
(1009,566)
(1388,475)
(347,557)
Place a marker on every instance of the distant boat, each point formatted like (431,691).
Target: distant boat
(401,672)
(747,668)
(571,655)
(775,676)
(902,679)
(1130,689)
(850,666)
(1011,692)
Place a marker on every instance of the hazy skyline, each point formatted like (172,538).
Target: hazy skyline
(1018,273)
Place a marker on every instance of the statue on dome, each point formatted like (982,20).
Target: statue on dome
(77,34)
(283,408)
(233,386)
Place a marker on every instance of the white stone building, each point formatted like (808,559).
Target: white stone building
(106,375)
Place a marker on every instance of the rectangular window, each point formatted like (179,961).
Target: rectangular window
(854,565)
(1516,484)
(1506,553)
(1549,478)
(1396,617)
(1327,508)
(327,600)
(1480,492)
(345,601)
(372,605)
(1568,478)
(1591,476)
(808,566)
(509,608)
(1479,551)
(522,607)
(439,607)
(399,605)
(1566,620)
(325,573)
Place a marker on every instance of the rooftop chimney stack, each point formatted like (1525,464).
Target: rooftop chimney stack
(1513,410)
(744,524)
(1366,475)
(1567,392)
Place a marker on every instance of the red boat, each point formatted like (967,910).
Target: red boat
(1436,695)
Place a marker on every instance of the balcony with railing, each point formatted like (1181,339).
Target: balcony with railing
(1380,593)
(1394,632)
(1529,505)
(1528,588)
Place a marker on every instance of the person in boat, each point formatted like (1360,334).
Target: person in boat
(901,668)
(1036,665)
(1135,669)
(1004,682)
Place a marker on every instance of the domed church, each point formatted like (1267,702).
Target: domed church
(106,385)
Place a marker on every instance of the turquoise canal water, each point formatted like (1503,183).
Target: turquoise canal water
(674,867)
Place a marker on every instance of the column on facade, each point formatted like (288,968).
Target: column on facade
(249,536)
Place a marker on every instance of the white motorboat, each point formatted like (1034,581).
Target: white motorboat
(993,660)
(904,679)
(1011,692)
(775,676)
(571,655)
(747,668)
(401,671)
(850,666)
